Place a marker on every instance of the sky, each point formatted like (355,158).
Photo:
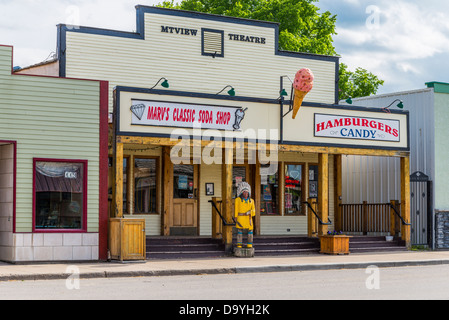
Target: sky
(403,42)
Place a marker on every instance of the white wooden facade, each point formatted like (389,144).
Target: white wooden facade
(173,45)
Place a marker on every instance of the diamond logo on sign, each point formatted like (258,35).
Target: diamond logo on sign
(138,110)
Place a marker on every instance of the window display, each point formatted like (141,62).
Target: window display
(60,195)
(269,203)
(145,186)
(293,189)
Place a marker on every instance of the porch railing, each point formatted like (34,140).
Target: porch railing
(218,221)
(371,217)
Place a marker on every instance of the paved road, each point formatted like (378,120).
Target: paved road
(431,282)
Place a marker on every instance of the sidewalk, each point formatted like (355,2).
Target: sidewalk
(9,272)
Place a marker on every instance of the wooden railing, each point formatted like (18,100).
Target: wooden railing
(370,218)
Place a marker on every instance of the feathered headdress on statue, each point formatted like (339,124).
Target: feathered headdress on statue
(243,186)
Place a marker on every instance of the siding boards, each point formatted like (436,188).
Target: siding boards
(252,69)
(49,118)
(377,179)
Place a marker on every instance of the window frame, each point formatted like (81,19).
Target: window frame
(280,197)
(158,186)
(301,213)
(221,32)
(85,196)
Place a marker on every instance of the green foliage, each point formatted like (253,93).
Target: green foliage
(360,83)
(302,28)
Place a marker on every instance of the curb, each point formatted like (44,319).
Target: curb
(216,271)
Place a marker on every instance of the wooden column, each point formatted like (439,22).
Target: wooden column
(168,191)
(130,186)
(338,192)
(393,218)
(323,191)
(257,196)
(216,221)
(118,181)
(311,219)
(226,190)
(405,200)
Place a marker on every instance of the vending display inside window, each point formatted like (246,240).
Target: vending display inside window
(293,189)
(269,203)
(145,186)
(313,181)
(183,176)
(238,176)
(60,195)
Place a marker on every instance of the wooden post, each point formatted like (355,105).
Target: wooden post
(393,218)
(118,181)
(168,191)
(257,196)
(405,200)
(226,191)
(130,186)
(312,230)
(216,220)
(338,192)
(323,191)
(365,218)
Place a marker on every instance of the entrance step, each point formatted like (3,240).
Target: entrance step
(183,248)
(285,245)
(278,246)
(363,244)
(204,247)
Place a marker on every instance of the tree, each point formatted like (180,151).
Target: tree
(302,28)
(360,83)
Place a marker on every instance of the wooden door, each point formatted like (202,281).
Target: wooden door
(185,200)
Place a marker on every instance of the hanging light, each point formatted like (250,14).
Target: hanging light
(400,105)
(164,84)
(230,92)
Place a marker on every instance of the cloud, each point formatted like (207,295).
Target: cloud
(30,25)
(397,40)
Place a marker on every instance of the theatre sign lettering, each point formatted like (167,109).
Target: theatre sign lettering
(361,128)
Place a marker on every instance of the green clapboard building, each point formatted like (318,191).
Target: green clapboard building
(53,168)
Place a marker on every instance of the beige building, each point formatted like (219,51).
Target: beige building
(191,91)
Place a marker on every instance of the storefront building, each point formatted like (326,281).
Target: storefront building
(200,102)
(428,165)
(52,203)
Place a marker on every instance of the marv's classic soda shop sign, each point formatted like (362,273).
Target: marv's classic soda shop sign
(346,127)
(169,114)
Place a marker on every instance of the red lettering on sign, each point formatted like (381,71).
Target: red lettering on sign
(395,133)
(223,117)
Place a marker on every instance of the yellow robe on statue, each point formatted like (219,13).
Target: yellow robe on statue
(244,213)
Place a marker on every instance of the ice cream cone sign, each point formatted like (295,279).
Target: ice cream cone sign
(303,84)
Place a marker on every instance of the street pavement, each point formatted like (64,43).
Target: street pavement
(228,265)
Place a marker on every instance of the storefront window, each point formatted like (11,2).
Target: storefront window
(269,203)
(238,176)
(184,182)
(293,189)
(60,195)
(313,181)
(145,186)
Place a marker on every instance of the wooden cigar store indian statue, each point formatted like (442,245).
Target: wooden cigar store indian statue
(244,213)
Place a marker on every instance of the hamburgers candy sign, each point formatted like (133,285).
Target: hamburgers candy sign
(359,128)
